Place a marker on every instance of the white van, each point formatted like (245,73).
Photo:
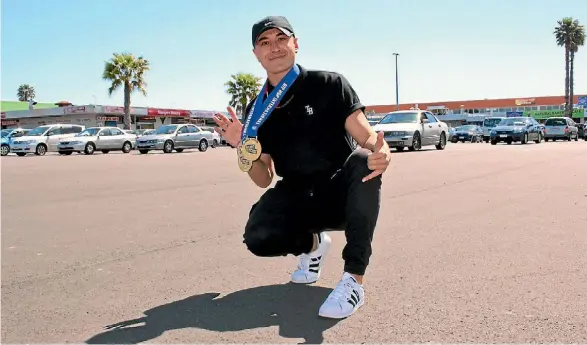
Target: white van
(44,139)
(488,124)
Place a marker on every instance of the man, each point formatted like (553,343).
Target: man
(299,125)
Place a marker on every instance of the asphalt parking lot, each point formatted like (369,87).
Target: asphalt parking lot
(476,243)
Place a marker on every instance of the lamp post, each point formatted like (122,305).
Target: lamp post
(396,83)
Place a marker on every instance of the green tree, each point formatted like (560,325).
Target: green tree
(242,88)
(570,34)
(126,71)
(25,93)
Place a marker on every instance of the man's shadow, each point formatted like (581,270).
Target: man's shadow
(292,307)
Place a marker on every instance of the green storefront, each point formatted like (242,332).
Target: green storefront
(577,114)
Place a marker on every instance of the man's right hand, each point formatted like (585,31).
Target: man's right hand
(231,129)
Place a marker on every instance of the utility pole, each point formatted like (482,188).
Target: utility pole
(396,83)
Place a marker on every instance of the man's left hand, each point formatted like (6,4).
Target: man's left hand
(378,161)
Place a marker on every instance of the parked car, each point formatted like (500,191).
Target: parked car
(581,129)
(44,139)
(175,137)
(561,128)
(8,136)
(451,132)
(488,124)
(512,129)
(472,133)
(216,139)
(413,129)
(103,139)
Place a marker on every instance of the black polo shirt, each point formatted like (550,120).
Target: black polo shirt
(305,134)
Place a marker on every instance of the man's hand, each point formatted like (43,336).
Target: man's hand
(378,161)
(230,130)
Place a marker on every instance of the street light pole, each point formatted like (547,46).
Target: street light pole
(396,83)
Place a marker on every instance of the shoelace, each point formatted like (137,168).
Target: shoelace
(342,289)
(304,263)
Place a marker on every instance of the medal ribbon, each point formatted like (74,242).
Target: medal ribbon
(260,111)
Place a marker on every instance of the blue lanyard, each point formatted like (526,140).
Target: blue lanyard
(260,111)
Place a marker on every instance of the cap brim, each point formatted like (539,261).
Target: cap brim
(284,30)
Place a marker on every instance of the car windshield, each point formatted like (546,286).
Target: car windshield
(467,128)
(514,121)
(555,122)
(90,132)
(39,131)
(167,129)
(491,122)
(399,118)
(5,132)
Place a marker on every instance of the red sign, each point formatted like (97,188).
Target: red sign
(168,112)
(9,122)
(3,114)
(75,110)
(108,109)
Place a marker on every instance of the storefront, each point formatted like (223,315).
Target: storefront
(103,115)
(578,115)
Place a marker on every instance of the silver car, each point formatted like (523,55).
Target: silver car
(560,128)
(175,137)
(103,139)
(413,129)
(44,139)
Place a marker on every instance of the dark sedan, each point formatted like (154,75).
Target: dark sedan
(513,129)
(472,133)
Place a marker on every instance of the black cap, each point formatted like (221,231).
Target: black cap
(272,22)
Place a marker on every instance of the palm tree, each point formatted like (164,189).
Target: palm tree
(126,71)
(242,88)
(578,40)
(25,93)
(570,35)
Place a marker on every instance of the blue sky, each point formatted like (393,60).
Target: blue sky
(449,50)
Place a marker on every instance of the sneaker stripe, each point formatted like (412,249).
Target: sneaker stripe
(316,265)
(317,258)
(354,298)
(313,270)
(351,302)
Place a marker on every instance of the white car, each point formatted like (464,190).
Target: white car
(103,139)
(44,139)
(216,138)
(413,129)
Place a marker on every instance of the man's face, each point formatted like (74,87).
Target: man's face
(275,50)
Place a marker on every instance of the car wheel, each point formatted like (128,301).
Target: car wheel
(90,148)
(126,147)
(442,143)
(214,143)
(416,143)
(179,150)
(524,139)
(4,150)
(41,150)
(539,140)
(144,152)
(105,151)
(399,148)
(493,142)
(168,146)
(203,146)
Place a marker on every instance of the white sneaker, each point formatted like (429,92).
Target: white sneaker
(344,300)
(308,270)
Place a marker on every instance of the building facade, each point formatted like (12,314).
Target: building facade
(103,115)
(474,111)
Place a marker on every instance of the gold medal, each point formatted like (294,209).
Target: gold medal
(251,149)
(244,164)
